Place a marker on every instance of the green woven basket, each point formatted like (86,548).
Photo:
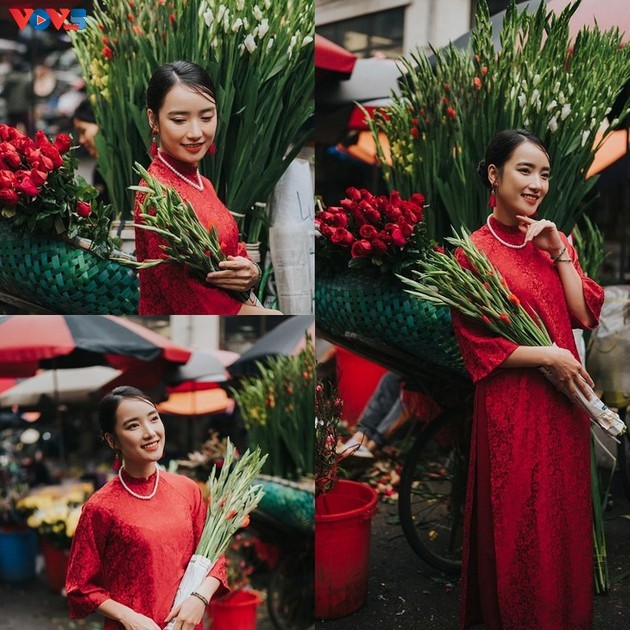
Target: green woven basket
(63,278)
(291,502)
(378,308)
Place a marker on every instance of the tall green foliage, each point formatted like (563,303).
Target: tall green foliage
(451,107)
(260,59)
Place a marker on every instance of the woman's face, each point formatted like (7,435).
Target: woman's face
(524,182)
(186,123)
(138,433)
(86,131)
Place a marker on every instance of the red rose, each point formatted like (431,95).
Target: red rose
(385,237)
(353,193)
(417,198)
(50,152)
(25,185)
(7,179)
(342,237)
(451,113)
(325,217)
(415,132)
(398,238)
(378,247)
(439,249)
(41,139)
(405,228)
(8,198)
(348,204)
(9,155)
(32,156)
(45,163)
(368,231)
(340,219)
(326,230)
(83,209)
(39,177)
(4,132)
(410,217)
(107,53)
(361,249)
(63,142)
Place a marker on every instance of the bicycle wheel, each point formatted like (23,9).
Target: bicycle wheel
(290,598)
(433,488)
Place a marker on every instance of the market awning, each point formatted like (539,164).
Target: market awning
(332,59)
(196,403)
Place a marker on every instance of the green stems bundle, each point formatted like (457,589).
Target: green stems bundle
(278,409)
(601,577)
(232,498)
(187,241)
(450,108)
(261,59)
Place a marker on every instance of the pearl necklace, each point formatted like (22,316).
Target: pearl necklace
(144,497)
(198,186)
(500,239)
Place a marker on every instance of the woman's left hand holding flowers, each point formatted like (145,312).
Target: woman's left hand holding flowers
(237,274)
(544,234)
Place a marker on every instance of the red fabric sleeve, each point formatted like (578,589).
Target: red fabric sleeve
(83,579)
(482,350)
(242,251)
(219,569)
(593,293)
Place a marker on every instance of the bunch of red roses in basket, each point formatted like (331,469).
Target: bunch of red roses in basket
(386,231)
(40,190)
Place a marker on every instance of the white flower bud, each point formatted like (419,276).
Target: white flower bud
(267,4)
(522,100)
(608,110)
(270,43)
(208,18)
(614,123)
(250,43)
(263,28)
(221,12)
(570,89)
(552,105)
(512,92)
(536,80)
(593,111)
(524,84)
(552,125)
(585,135)
(534,97)
(237,25)
(561,98)
(566,110)
(240,5)
(306,41)
(556,87)
(258,13)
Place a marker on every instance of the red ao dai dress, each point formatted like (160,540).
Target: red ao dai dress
(528,555)
(134,551)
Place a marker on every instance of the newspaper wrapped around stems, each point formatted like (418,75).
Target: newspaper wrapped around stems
(187,241)
(232,498)
(484,296)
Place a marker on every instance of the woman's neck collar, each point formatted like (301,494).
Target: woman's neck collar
(140,471)
(505,219)
(185,168)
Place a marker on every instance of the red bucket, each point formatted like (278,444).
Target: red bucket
(234,611)
(343,524)
(55,564)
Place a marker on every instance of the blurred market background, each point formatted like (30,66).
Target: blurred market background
(246,378)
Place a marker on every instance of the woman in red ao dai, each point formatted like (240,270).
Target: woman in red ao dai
(183,114)
(528,557)
(136,535)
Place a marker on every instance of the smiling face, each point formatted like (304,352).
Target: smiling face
(522,183)
(186,123)
(138,433)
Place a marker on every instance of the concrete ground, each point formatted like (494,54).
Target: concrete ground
(404,593)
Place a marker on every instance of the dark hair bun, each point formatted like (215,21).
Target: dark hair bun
(482,171)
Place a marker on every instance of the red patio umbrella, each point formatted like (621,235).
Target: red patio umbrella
(28,342)
(331,60)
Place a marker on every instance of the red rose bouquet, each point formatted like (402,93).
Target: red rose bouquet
(40,191)
(367,230)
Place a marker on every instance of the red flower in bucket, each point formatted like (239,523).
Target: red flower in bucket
(387,232)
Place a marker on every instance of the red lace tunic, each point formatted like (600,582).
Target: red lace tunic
(133,551)
(169,289)
(528,554)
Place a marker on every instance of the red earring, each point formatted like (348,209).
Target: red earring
(153,149)
(117,463)
(213,149)
(492,202)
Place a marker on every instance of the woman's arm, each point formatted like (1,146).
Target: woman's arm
(124,615)
(567,371)
(190,612)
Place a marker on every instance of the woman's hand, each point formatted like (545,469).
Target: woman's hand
(544,234)
(135,621)
(568,373)
(237,274)
(188,614)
